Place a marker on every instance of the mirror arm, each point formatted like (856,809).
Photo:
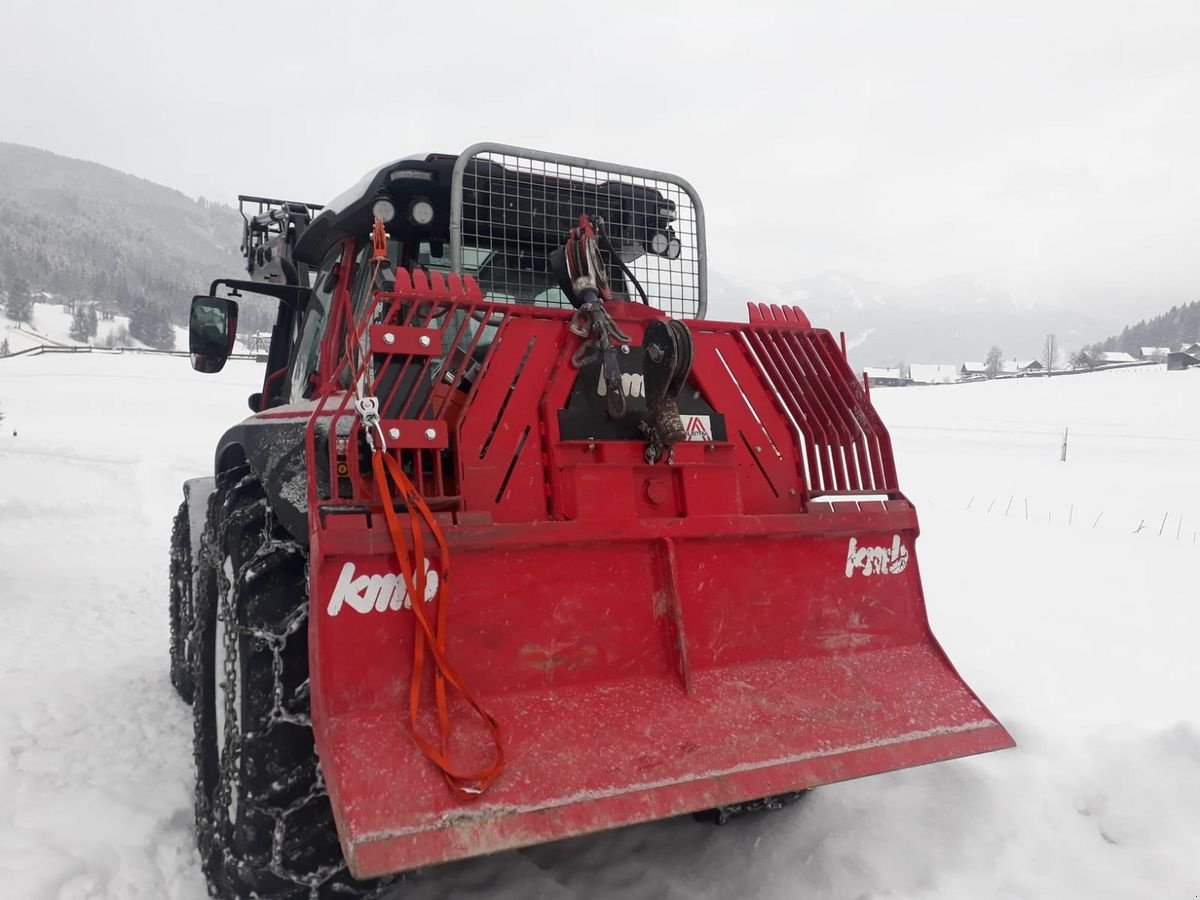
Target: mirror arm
(293,295)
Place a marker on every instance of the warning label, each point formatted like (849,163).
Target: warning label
(698,428)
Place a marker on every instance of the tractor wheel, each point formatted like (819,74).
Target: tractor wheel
(180,603)
(264,825)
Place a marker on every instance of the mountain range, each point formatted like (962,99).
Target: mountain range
(949,320)
(79,229)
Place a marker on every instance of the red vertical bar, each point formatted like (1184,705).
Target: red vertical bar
(815,439)
(816,379)
(838,375)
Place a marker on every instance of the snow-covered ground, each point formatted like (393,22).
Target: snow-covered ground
(1075,621)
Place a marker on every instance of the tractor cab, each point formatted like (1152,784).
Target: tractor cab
(491,213)
(500,217)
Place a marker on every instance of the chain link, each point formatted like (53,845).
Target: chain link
(229,773)
(238,734)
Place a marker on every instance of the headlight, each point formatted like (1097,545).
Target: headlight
(420,212)
(384,208)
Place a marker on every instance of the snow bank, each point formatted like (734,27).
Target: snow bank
(1078,634)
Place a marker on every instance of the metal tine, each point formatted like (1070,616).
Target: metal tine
(851,427)
(844,464)
(819,465)
(835,475)
(866,444)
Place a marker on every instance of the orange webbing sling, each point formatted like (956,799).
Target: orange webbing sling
(388,474)
(390,482)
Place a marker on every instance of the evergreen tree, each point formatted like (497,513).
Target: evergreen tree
(79,325)
(92,325)
(139,319)
(1178,325)
(164,334)
(150,324)
(4,351)
(20,304)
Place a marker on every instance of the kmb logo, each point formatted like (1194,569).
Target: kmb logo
(376,593)
(876,560)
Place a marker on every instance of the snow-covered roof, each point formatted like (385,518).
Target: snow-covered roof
(933,373)
(877,372)
(974,367)
(1113,356)
(1153,351)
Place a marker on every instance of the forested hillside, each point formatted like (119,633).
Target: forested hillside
(84,232)
(1180,324)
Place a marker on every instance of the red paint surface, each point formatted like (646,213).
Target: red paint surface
(652,639)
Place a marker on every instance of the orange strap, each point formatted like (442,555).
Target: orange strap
(389,474)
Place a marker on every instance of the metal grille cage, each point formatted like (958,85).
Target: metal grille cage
(512,207)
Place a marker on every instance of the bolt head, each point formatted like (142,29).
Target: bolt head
(423,340)
(625,349)
(389,338)
(430,434)
(394,433)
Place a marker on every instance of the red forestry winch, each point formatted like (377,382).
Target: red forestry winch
(598,559)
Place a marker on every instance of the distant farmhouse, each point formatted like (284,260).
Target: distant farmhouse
(932,373)
(1184,358)
(885,377)
(1107,357)
(973,371)
(947,373)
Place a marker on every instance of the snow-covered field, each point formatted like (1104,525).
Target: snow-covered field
(51,326)
(1066,593)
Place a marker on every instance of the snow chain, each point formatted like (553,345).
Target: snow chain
(229,772)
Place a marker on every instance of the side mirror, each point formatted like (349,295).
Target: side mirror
(212,329)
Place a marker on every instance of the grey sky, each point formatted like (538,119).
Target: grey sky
(1050,147)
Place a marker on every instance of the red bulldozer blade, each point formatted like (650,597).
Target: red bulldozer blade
(652,639)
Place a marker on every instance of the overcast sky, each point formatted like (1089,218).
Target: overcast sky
(1050,147)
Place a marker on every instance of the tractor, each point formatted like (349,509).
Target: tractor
(517,545)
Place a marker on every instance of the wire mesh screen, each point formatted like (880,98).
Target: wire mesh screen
(512,208)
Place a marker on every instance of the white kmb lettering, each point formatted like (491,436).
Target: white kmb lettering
(632,385)
(877,560)
(376,593)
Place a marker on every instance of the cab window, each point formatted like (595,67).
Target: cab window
(307,354)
